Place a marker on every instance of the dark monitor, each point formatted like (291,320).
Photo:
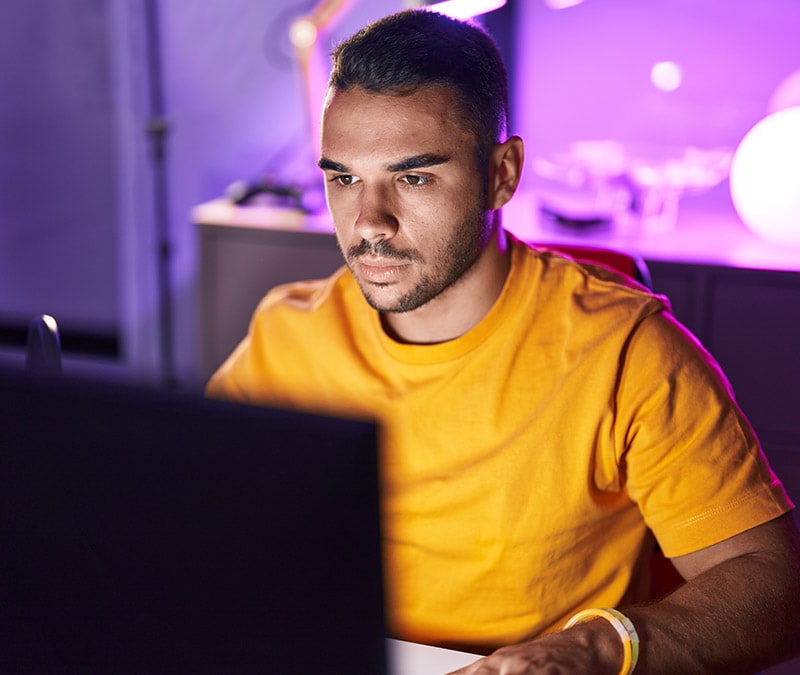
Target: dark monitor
(144,531)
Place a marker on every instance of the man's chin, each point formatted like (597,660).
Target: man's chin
(385,306)
(398,304)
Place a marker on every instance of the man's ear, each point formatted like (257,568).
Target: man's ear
(505,171)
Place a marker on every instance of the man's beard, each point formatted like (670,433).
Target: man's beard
(452,261)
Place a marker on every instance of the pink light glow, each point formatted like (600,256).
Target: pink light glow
(562,4)
(465,9)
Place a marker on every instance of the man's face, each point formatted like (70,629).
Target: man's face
(405,193)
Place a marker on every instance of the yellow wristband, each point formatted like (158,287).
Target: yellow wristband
(622,624)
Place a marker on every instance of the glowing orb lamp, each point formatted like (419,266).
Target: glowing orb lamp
(765,177)
(666,75)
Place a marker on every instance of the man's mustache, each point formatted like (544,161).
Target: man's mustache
(382,248)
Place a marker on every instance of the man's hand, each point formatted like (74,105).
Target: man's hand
(592,647)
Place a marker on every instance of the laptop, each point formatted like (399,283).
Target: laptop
(143,531)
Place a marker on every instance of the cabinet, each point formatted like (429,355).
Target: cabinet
(245,251)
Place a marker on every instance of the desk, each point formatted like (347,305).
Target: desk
(408,658)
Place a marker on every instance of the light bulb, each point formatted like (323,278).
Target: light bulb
(765,177)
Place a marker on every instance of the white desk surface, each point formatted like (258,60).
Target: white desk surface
(409,658)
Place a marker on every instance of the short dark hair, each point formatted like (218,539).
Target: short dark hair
(414,48)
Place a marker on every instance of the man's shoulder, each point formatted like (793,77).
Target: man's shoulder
(561,278)
(298,295)
(305,296)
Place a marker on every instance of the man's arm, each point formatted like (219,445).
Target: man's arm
(738,612)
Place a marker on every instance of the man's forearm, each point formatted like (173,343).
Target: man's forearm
(740,616)
(739,612)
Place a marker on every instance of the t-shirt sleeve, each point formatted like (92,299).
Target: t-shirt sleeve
(251,373)
(691,459)
(234,380)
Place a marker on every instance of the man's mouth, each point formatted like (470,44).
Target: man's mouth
(379,270)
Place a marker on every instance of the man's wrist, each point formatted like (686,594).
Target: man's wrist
(614,637)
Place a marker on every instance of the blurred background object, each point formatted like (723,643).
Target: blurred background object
(765,178)
(625,188)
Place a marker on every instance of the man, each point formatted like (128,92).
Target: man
(539,417)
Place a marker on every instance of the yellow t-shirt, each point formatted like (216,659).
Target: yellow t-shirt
(524,461)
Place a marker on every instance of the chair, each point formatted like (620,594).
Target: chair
(629,264)
(43,347)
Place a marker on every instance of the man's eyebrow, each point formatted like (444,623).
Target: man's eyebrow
(407,164)
(329,165)
(418,162)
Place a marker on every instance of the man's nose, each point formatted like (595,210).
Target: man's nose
(376,217)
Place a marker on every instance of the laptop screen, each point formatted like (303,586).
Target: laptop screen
(147,531)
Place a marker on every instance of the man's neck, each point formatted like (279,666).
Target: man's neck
(460,307)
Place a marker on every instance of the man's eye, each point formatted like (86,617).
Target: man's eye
(414,180)
(344,179)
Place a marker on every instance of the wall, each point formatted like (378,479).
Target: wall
(58,240)
(583,73)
